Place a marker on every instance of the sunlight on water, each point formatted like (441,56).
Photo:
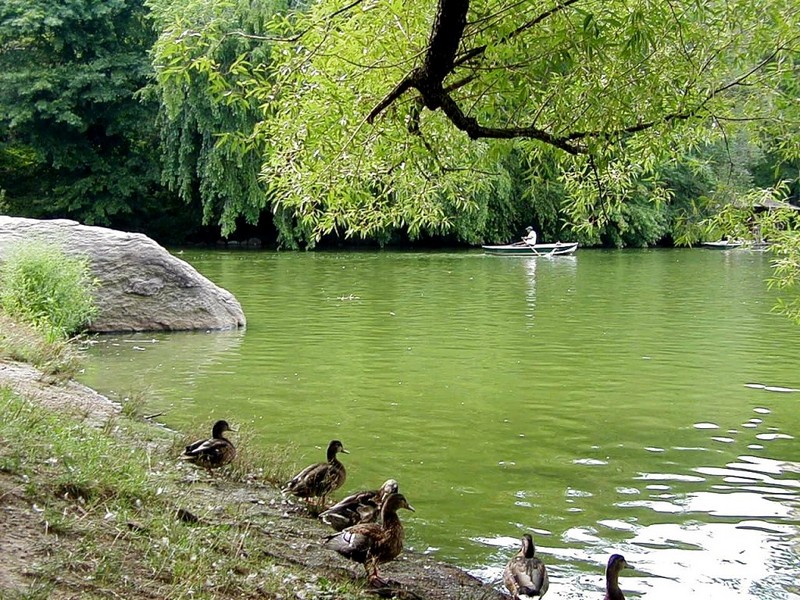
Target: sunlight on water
(640,402)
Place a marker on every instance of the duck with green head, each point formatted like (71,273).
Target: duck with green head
(214,452)
(525,575)
(616,563)
(320,479)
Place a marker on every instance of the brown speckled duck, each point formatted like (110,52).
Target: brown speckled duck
(372,544)
(525,575)
(361,507)
(616,563)
(319,480)
(211,453)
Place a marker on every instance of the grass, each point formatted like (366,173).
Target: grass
(42,286)
(23,342)
(45,300)
(109,507)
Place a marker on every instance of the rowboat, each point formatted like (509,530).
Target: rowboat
(523,249)
(757,245)
(723,244)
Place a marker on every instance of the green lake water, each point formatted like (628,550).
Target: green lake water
(641,402)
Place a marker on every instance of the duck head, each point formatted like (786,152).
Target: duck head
(334,448)
(395,501)
(219,428)
(528,547)
(616,563)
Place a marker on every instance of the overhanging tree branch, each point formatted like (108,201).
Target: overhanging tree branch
(441,59)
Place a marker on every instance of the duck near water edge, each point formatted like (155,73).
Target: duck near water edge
(320,479)
(371,544)
(211,453)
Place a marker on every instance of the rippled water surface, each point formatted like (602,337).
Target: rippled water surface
(641,402)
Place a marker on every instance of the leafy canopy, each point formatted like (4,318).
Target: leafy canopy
(402,114)
(75,140)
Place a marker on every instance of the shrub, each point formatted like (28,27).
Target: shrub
(40,285)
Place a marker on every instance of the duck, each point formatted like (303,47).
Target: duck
(214,452)
(525,575)
(372,544)
(320,479)
(616,563)
(361,507)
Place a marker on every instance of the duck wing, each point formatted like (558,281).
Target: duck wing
(356,508)
(212,449)
(191,448)
(307,482)
(357,542)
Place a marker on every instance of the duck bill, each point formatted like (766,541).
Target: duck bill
(411,508)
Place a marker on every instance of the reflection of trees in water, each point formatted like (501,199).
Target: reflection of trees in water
(121,363)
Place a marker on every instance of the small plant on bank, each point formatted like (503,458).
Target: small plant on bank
(41,285)
(22,342)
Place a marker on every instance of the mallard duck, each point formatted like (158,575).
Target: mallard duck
(211,453)
(372,544)
(616,563)
(319,480)
(361,507)
(525,575)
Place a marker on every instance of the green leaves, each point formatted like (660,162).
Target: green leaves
(212,64)
(633,88)
(69,72)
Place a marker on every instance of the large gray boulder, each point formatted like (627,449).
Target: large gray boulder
(142,286)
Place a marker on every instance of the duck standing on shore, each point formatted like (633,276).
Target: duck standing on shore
(361,507)
(320,479)
(525,575)
(214,452)
(372,544)
(616,563)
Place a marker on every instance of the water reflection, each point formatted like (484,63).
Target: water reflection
(151,360)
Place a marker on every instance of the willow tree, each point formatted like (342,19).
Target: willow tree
(382,115)
(207,50)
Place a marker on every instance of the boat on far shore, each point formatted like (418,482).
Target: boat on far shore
(732,244)
(525,249)
(723,244)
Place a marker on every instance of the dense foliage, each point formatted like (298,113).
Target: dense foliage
(76,137)
(205,49)
(42,286)
(376,118)
(618,123)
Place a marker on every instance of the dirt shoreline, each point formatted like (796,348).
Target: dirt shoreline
(286,535)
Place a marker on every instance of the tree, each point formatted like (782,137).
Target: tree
(383,116)
(212,153)
(397,115)
(76,138)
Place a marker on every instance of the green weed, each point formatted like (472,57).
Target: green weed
(44,287)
